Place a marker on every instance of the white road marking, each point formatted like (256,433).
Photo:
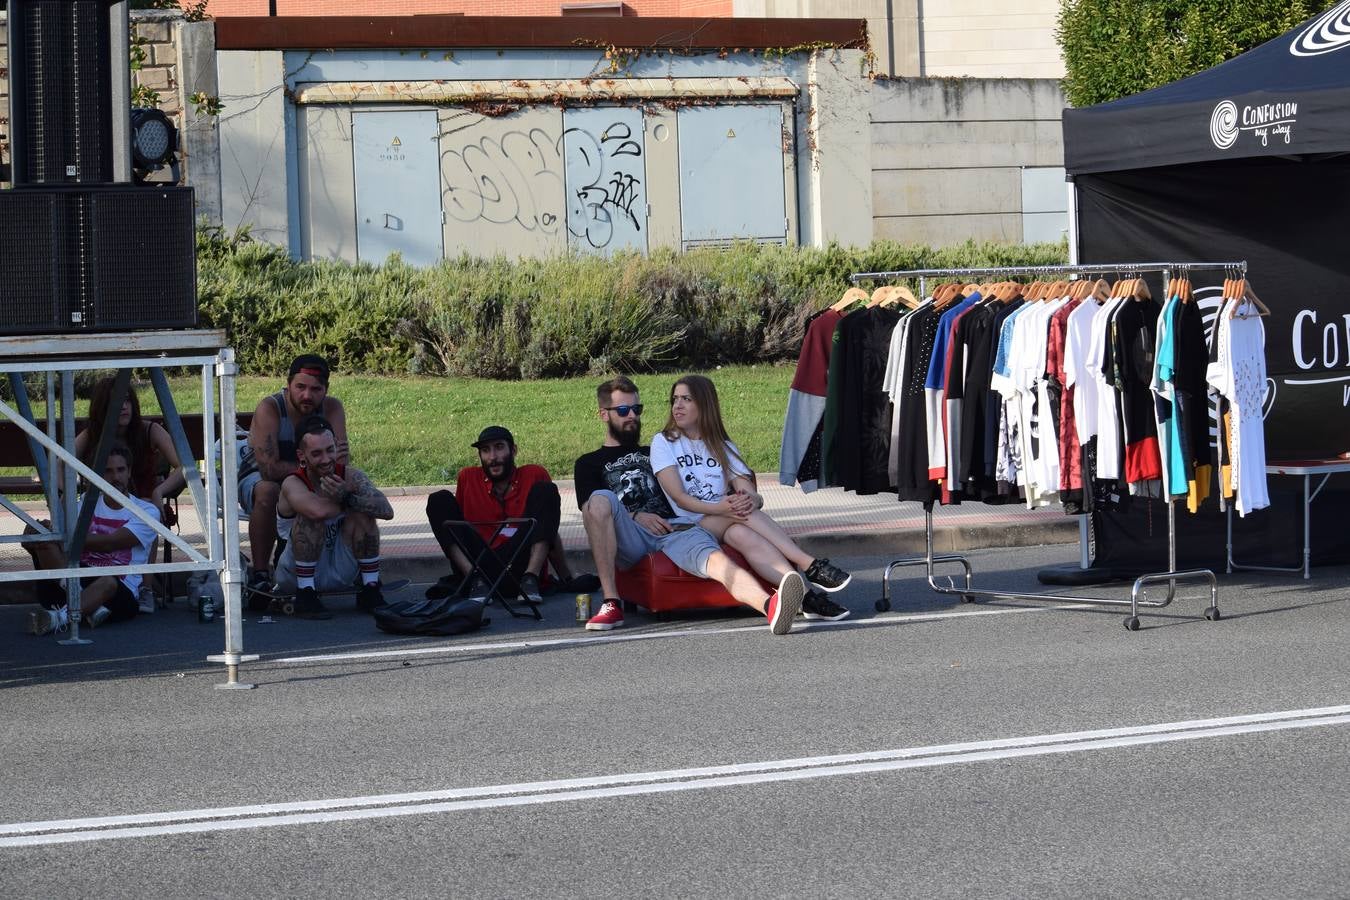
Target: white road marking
(611,638)
(63,831)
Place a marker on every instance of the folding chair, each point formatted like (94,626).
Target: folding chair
(503,587)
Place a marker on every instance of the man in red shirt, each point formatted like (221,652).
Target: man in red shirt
(497,489)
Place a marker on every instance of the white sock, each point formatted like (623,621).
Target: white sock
(370,570)
(304,574)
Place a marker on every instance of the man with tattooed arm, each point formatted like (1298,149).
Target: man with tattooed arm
(271,438)
(328,513)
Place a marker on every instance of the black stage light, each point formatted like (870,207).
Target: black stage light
(154,140)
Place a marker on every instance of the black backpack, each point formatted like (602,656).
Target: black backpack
(447,615)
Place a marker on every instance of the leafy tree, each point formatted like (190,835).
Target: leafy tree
(1113,48)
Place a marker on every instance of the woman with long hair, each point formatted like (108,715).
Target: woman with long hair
(150,444)
(707,482)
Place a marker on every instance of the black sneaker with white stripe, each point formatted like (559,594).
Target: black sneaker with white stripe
(817,606)
(825,577)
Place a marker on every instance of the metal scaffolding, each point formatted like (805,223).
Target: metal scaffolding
(58,358)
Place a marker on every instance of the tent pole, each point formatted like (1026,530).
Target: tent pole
(1072,188)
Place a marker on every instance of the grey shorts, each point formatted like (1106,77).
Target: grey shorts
(337,569)
(246,486)
(689,549)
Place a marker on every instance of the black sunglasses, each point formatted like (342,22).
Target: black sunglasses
(625,409)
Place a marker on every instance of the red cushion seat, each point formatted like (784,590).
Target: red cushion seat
(657,585)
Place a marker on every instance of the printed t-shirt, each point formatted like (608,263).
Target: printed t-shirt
(108,521)
(627,471)
(701,475)
(480,502)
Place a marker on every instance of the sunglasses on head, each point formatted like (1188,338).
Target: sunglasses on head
(625,409)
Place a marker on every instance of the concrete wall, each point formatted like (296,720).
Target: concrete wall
(950,159)
(942,38)
(286,145)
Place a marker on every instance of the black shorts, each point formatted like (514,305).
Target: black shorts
(122,605)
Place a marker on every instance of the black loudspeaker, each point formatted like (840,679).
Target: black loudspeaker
(61,126)
(107,258)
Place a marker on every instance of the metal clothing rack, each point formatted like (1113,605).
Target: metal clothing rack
(968,592)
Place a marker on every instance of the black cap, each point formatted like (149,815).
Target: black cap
(493,433)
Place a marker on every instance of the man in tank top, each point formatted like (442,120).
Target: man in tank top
(272,438)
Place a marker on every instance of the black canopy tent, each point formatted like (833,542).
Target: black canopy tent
(1248,160)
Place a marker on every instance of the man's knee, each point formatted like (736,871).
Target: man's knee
(441,506)
(265,494)
(546,493)
(599,507)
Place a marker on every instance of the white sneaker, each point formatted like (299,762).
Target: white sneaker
(98,616)
(45,621)
(145,600)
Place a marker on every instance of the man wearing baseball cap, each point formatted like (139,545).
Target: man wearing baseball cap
(497,489)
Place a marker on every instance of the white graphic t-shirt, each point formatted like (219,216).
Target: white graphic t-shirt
(107,521)
(700,474)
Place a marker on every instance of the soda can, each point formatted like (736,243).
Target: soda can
(206,608)
(583,607)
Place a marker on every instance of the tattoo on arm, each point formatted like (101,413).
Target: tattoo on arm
(265,454)
(365,497)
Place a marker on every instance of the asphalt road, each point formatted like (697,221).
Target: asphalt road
(940,749)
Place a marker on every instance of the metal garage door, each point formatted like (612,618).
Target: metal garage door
(731,174)
(606,175)
(396,160)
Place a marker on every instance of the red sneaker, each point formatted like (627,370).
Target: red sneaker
(608,618)
(785,603)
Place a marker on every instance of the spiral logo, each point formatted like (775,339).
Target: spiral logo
(1223,125)
(1329,33)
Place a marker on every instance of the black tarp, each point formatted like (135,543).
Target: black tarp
(1169,174)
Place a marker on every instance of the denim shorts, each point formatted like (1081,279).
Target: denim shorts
(688,548)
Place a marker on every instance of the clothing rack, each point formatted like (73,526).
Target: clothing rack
(1166,268)
(968,592)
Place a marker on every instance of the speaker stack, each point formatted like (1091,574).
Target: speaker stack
(79,251)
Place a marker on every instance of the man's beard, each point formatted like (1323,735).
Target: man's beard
(508,469)
(624,437)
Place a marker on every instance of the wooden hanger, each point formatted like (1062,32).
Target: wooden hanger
(905,296)
(879,295)
(1245,295)
(851,296)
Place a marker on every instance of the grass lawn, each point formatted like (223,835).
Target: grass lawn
(417,431)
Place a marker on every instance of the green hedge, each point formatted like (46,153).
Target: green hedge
(559,317)
(1113,48)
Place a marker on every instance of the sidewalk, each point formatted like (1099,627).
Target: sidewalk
(825,523)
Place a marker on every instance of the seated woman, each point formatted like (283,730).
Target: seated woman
(151,451)
(707,482)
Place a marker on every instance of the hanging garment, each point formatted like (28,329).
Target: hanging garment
(1192,410)
(977,334)
(1070,452)
(834,388)
(935,389)
(863,440)
(806,401)
(1136,326)
(1239,374)
(911,446)
(895,388)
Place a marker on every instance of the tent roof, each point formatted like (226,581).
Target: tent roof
(1289,96)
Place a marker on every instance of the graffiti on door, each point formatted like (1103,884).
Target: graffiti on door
(516,178)
(606,200)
